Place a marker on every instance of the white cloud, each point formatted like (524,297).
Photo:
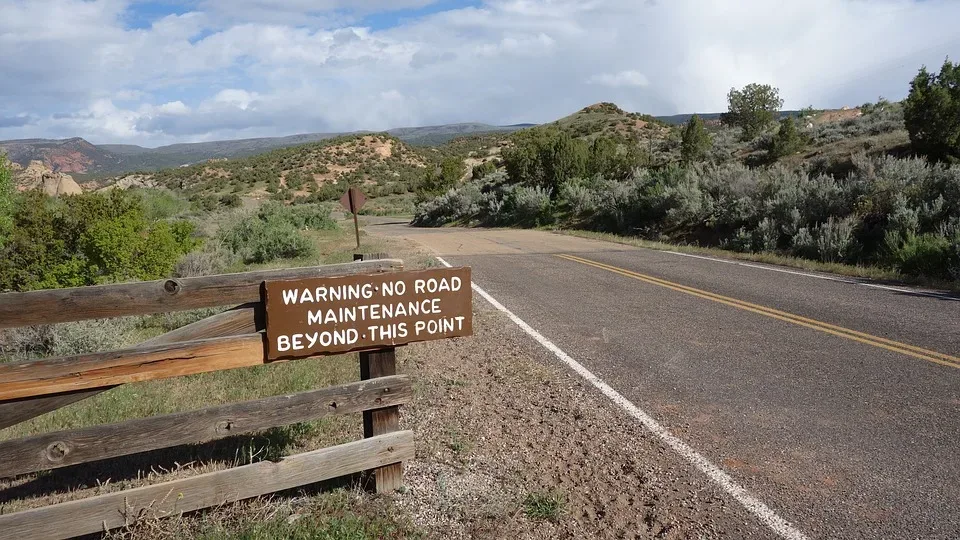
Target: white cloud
(174,108)
(301,65)
(621,79)
(231,97)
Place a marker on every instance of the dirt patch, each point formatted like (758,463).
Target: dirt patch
(837,115)
(497,420)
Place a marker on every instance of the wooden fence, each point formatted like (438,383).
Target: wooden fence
(228,340)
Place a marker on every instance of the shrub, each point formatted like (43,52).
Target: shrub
(304,217)
(203,263)
(258,241)
(695,142)
(926,254)
(772,208)
(788,140)
(548,157)
(804,244)
(88,239)
(274,232)
(231,200)
(66,339)
(528,205)
(932,112)
(581,200)
(160,203)
(457,204)
(483,169)
(834,239)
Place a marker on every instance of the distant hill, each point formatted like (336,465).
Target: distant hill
(680,119)
(379,163)
(78,157)
(437,135)
(607,119)
(73,156)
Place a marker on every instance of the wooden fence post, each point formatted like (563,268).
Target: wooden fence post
(374,364)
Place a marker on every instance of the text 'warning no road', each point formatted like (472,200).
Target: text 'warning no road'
(308,317)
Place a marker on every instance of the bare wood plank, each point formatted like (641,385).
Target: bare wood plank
(112,510)
(374,364)
(56,375)
(20,410)
(104,301)
(244,319)
(64,448)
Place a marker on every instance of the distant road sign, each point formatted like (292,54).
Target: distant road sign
(352,201)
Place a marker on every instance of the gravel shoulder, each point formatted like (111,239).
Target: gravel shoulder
(500,422)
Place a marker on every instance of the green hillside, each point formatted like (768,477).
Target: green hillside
(380,164)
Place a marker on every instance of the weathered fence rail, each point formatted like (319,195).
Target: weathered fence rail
(160,296)
(228,340)
(45,307)
(122,508)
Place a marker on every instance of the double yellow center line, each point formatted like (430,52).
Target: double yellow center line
(867,339)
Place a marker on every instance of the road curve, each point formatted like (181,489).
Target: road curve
(833,402)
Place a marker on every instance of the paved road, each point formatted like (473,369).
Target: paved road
(835,403)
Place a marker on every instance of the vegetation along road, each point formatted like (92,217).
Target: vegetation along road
(833,402)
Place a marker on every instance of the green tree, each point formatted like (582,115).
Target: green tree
(524,158)
(695,141)
(566,158)
(438,180)
(788,139)
(931,113)
(752,109)
(603,157)
(6,200)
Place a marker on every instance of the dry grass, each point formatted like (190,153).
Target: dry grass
(316,514)
(840,269)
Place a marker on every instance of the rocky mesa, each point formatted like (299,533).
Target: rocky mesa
(36,175)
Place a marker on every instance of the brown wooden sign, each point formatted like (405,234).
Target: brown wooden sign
(309,317)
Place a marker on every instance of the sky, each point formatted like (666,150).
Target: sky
(162,72)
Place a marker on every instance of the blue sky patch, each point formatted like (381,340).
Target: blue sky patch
(390,19)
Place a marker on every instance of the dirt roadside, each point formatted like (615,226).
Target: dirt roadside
(502,425)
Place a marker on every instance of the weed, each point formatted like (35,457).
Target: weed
(544,505)
(458,442)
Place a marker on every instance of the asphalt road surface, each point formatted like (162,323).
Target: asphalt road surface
(834,402)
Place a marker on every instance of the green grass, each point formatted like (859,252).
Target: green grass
(345,526)
(849,270)
(339,514)
(544,505)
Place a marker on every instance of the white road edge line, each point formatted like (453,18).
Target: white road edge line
(919,292)
(763,512)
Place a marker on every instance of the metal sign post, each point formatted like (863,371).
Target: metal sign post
(352,201)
